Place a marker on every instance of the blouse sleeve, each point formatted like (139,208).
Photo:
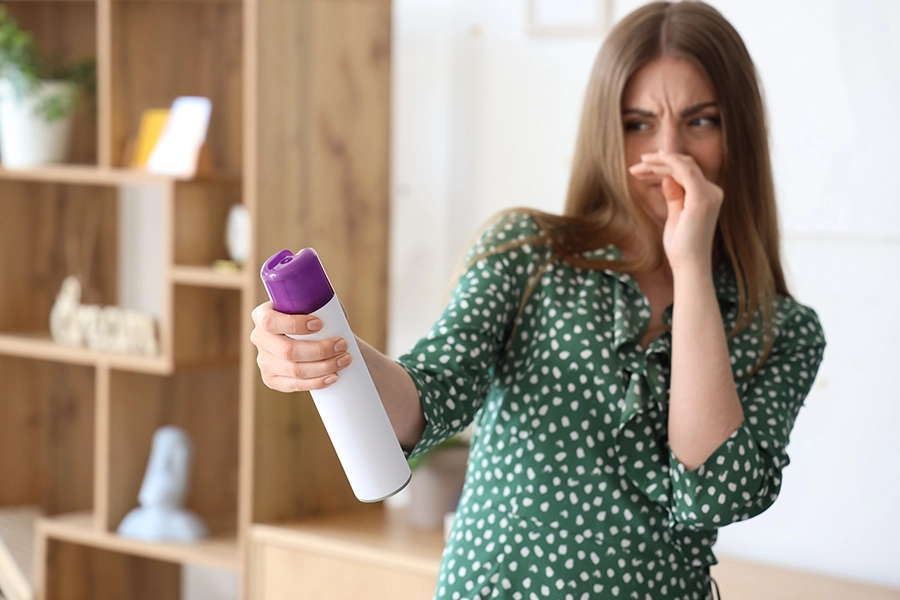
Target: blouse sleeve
(742,478)
(452,366)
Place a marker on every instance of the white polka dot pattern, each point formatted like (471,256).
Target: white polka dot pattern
(572,490)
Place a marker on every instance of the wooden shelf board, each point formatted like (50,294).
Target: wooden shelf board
(17,550)
(93,175)
(220,551)
(379,536)
(745,580)
(39,345)
(182,1)
(207,277)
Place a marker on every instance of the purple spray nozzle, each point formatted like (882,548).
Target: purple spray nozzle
(296,283)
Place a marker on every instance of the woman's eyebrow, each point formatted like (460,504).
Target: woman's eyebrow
(685,113)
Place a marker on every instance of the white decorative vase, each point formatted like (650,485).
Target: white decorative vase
(436,486)
(26,138)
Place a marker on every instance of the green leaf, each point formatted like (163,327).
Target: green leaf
(453,442)
(22,64)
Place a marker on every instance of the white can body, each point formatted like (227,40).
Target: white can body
(355,419)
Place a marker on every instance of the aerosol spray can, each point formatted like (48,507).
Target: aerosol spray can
(350,408)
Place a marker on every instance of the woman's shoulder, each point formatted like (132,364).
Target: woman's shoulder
(512,230)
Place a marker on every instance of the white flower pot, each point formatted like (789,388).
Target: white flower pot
(436,486)
(26,138)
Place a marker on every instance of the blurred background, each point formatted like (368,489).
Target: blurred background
(384,133)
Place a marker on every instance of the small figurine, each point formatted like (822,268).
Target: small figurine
(161,516)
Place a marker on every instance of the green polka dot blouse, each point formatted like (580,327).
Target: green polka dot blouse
(571,489)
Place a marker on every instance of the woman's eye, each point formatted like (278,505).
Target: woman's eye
(705,121)
(635,126)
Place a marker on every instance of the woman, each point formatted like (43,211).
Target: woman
(634,366)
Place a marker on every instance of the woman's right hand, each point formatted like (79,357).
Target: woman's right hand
(289,365)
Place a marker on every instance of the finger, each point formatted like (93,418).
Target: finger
(672,190)
(658,169)
(292,350)
(661,156)
(289,384)
(646,167)
(308,351)
(277,367)
(651,179)
(681,167)
(276,322)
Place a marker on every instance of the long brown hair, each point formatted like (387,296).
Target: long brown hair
(599,209)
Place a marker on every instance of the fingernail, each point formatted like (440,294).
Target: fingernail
(341,346)
(314,325)
(330,379)
(344,360)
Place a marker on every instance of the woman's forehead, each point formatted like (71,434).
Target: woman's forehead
(667,81)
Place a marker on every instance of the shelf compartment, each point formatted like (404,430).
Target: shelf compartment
(69,570)
(67,30)
(204,403)
(206,326)
(201,213)
(50,231)
(219,551)
(203,57)
(46,435)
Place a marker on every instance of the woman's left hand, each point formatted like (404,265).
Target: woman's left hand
(693,204)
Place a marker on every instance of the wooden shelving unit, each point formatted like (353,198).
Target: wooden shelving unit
(300,136)
(362,554)
(220,551)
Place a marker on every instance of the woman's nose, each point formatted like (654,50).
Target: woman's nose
(670,140)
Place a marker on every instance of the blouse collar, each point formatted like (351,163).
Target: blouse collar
(724,278)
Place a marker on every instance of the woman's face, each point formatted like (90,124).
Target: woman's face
(669,105)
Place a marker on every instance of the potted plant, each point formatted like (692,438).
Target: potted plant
(37,98)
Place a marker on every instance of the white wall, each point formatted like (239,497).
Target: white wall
(485,117)
(141,265)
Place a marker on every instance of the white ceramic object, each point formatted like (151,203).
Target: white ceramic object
(107,329)
(161,516)
(436,486)
(448,524)
(237,233)
(26,138)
